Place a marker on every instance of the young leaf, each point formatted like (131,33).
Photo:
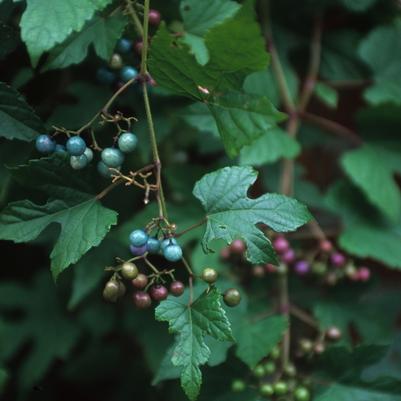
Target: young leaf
(192,323)
(231,214)
(255,340)
(326,94)
(100,32)
(17,119)
(358,5)
(84,223)
(43,27)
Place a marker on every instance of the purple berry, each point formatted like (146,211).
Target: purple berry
(142,300)
(177,288)
(158,292)
(363,273)
(288,256)
(302,267)
(281,245)
(337,259)
(138,250)
(238,246)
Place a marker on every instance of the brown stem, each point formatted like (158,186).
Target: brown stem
(304,317)
(108,189)
(196,225)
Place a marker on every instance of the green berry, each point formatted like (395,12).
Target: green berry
(116,61)
(129,271)
(301,394)
(275,352)
(238,385)
(290,370)
(266,390)
(209,275)
(259,371)
(111,291)
(280,388)
(232,297)
(319,268)
(270,367)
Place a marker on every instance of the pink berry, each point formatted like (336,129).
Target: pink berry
(281,245)
(337,259)
(258,271)
(302,267)
(269,268)
(363,273)
(326,246)
(158,292)
(138,47)
(225,253)
(142,300)
(288,256)
(154,17)
(238,246)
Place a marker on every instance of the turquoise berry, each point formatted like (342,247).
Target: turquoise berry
(105,76)
(168,241)
(124,45)
(60,149)
(78,162)
(103,170)
(173,253)
(45,144)
(153,245)
(76,146)
(127,142)
(138,238)
(112,157)
(89,154)
(127,73)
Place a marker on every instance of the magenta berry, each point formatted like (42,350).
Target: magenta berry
(363,273)
(142,300)
(158,292)
(326,246)
(225,253)
(281,245)
(302,267)
(141,281)
(337,259)
(288,256)
(177,288)
(154,17)
(238,246)
(138,47)
(269,268)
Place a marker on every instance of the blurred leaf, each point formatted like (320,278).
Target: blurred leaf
(9,39)
(358,5)
(17,119)
(100,32)
(3,379)
(326,94)
(263,83)
(60,20)
(198,116)
(231,214)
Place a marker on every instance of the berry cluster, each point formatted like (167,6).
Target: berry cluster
(120,68)
(265,375)
(81,155)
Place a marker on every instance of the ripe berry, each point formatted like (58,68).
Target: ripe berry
(168,241)
(270,367)
(154,17)
(127,142)
(280,388)
(129,271)
(238,385)
(177,288)
(319,348)
(138,237)
(209,275)
(116,62)
(326,246)
(127,73)
(363,273)
(138,47)
(333,333)
(225,253)
(258,271)
(124,45)
(301,394)
(158,292)
(266,390)
(138,250)
(45,144)
(337,259)
(173,253)
(78,162)
(232,297)
(302,267)
(89,154)
(76,146)
(269,268)
(141,281)
(238,247)
(60,149)
(105,76)
(280,244)
(142,300)
(111,291)
(104,170)
(275,352)
(288,256)
(259,371)
(153,245)
(112,157)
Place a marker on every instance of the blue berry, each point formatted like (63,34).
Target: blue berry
(138,237)
(173,253)
(60,149)
(127,142)
(127,73)
(168,241)
(103,170)
(76,146)
(112,157)
(138,250)
(153,245)
(89,154)
(78,162)
(105,76)
(45,144)
(124,45)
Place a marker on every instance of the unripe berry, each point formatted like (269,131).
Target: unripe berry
(138,250)
(209,275)
(270,367)
(129,271)
(78,162)
(104,170)
(280,388)
(121,289)
(331,278)
(60,149)
(326,246)
(127,142)
(177,288)
(173,253)
(116,62)
(290,370)
(301,394)
(258,271)
(305,345)
(333,333)
(232,297)
(319,348)
(275,352)
(225,253)
(319,268)
(302,267)
(280,244)
(158,292)
(288,256)
(142,300)
(259,371)
(238,385)
(238,247)
(138,237)
(89,154)
(105,76)
(124,45)
(45,144)
(111,291)
(138,47)
(363,273)
(266,390)
(154,17)
(141,281)
(76,146)
(337,259)
(269,268)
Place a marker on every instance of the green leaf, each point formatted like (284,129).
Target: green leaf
(242,118)
(358,5)
(9,39)
(255,340)
(371,169)
(263,83)
(17,119)
(59,20)
(269,148)
(326,94)
(231,214)
(381,50)
(84,223)
(100,32)
(3,379)
(192,323)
